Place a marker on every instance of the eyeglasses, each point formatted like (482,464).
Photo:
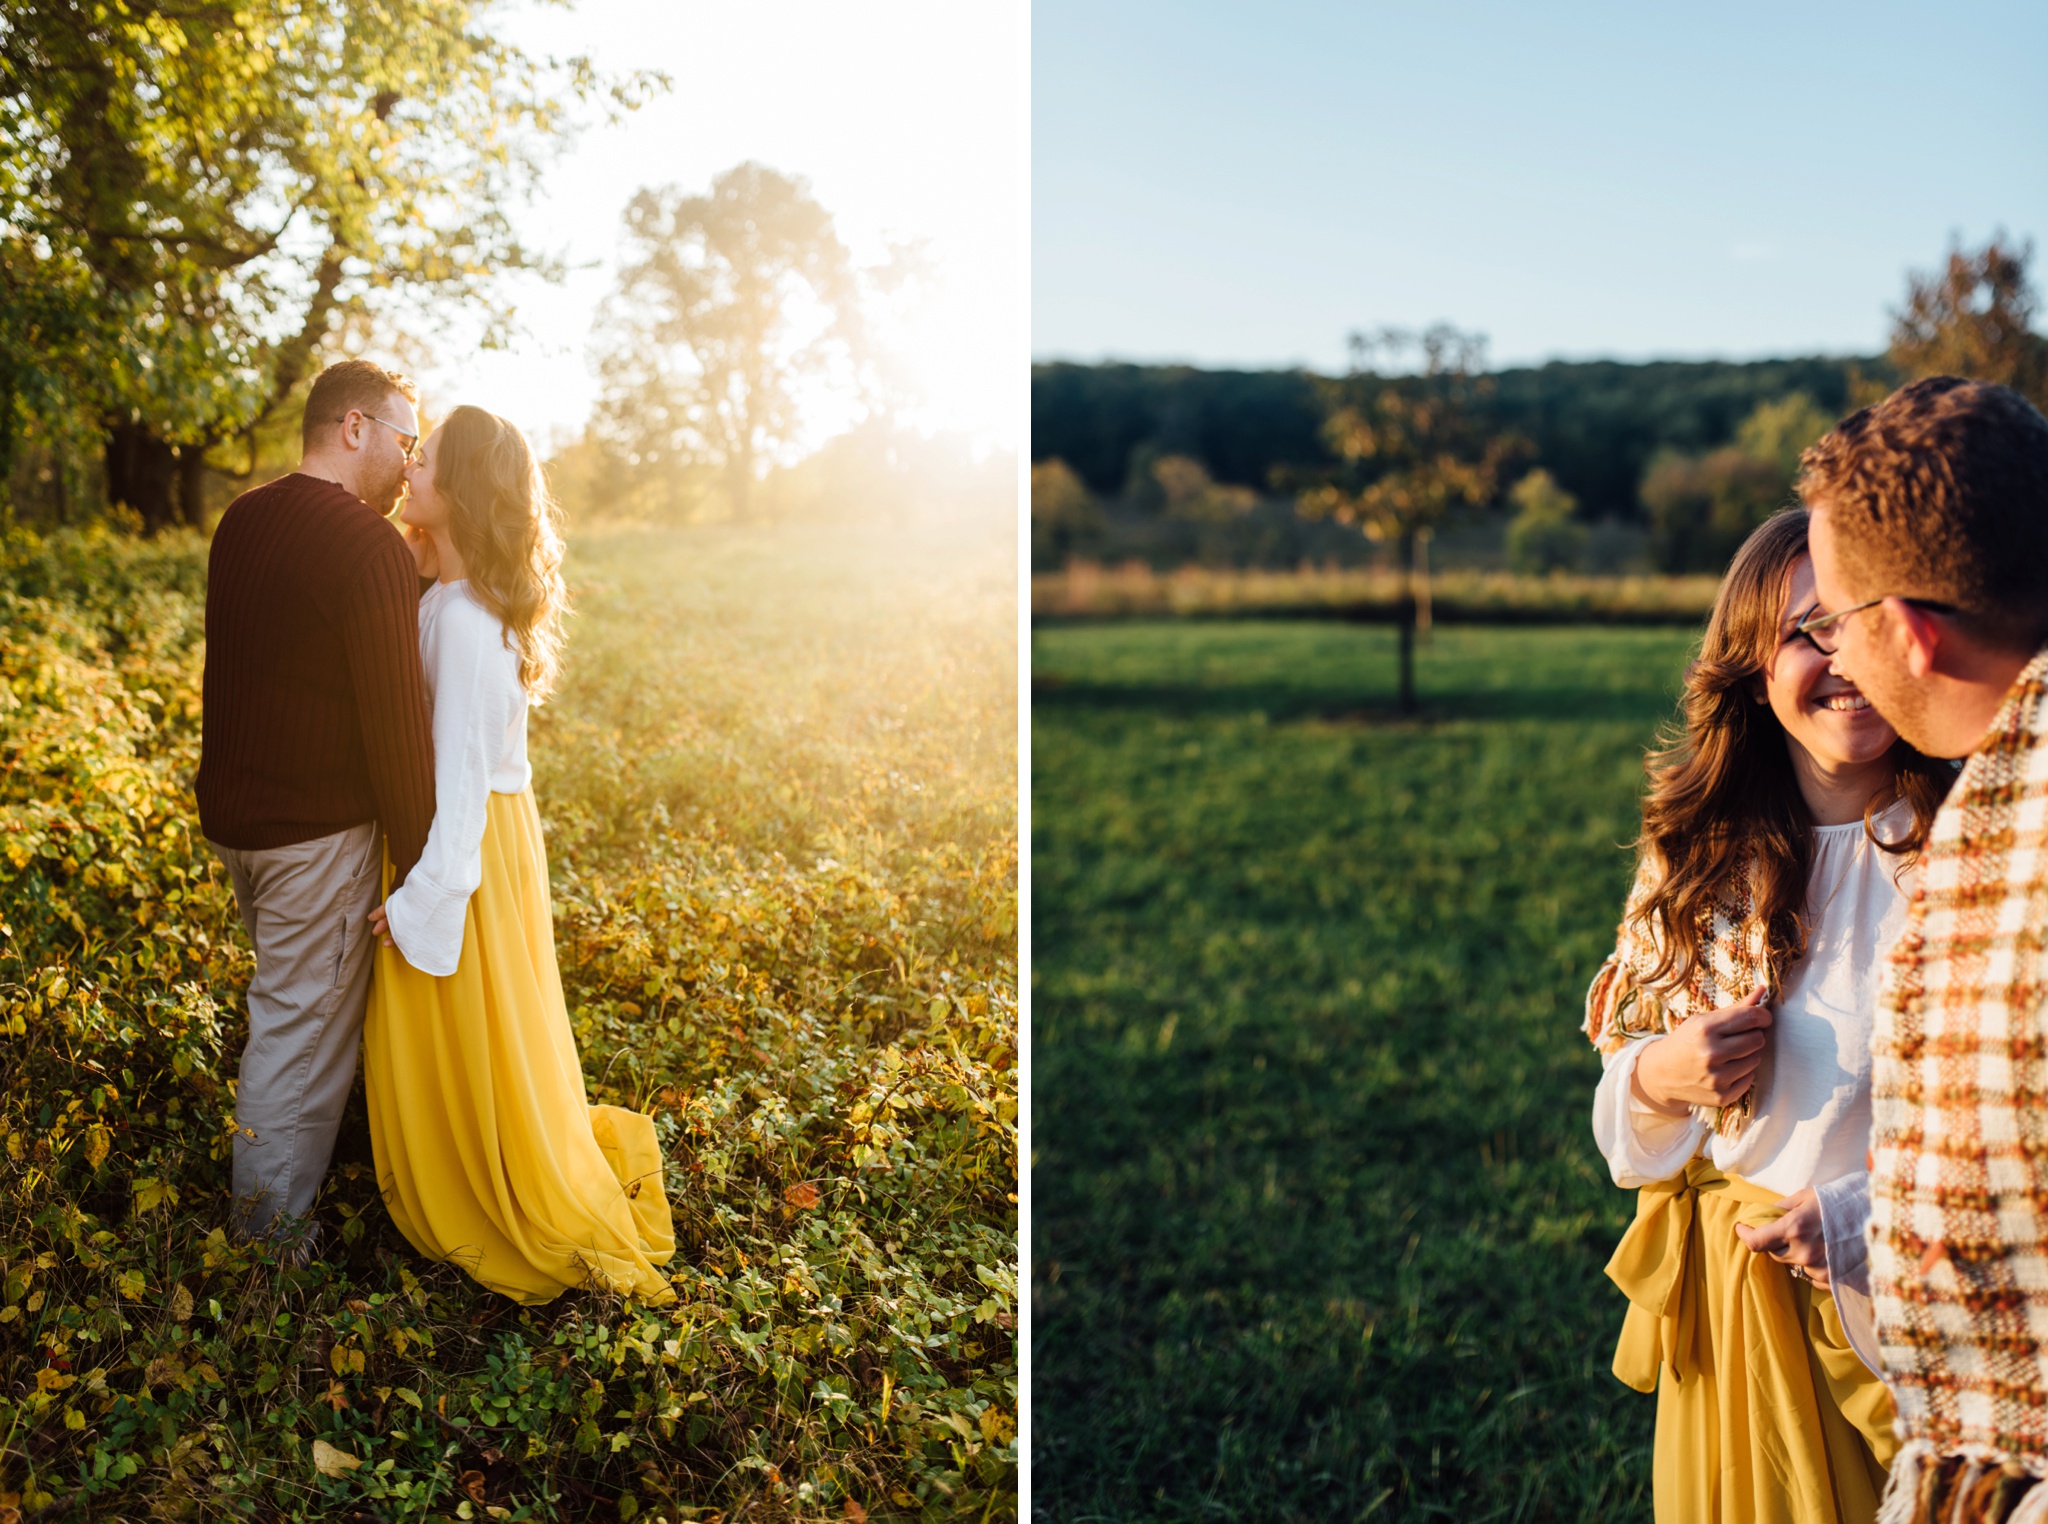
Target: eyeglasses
(411,441)
(1823,631)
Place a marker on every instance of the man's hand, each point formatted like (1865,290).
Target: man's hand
(380,926)
(1794,1239)
(426,559)
(1707,1060)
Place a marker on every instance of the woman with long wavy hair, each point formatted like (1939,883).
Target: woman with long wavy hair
(1781,826)
(488,1152)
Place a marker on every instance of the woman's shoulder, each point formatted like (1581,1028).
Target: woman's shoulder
(463,622)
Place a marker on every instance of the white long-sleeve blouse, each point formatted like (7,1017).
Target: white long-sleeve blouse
(1811,1122)
(479,719)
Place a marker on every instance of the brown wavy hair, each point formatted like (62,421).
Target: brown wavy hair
(508,529)
(1723,800)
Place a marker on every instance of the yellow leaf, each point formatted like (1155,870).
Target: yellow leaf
(181,1304)
(98,1142)
(329,1461)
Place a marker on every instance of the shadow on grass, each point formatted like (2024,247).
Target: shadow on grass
(1343,704)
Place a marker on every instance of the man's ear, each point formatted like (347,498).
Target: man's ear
(1918,635)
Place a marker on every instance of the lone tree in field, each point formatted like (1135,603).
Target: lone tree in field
(1974,317)
(728,306)
(195,197)
(1411,448)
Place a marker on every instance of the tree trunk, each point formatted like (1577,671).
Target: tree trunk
(1405,619)
(192,485)
(1421,565)
(141,469)
(1406,702)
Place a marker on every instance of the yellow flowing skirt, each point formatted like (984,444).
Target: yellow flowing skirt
(1764,1413)
(488,1152)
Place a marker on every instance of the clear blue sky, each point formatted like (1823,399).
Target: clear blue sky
(1234,183)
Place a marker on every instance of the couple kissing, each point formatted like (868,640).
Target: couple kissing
(363,777)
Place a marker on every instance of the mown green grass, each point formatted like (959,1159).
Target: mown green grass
(1319,1226)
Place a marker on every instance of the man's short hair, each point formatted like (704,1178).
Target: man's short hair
(351,385)
(1940,492)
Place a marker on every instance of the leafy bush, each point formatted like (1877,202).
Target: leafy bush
(1701,507)
(1543,536)
(807,976)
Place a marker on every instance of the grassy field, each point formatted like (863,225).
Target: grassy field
(1319,1225)
(779,784)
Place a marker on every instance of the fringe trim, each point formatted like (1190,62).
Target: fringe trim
(2033,1508)
(1909,1491)
(1901,1500)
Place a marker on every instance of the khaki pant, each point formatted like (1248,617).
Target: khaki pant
(307,910)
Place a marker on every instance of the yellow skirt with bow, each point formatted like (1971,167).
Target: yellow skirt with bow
(488,1153)
(1765,1415)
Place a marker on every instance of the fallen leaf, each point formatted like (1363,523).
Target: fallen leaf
(472,1483)
(329,1461)
(803,1195)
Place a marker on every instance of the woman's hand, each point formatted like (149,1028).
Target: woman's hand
(1707,1060)
(380,926)
(1794,1239)
(425,558)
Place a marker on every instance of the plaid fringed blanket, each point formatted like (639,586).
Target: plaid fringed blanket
(1959,1185)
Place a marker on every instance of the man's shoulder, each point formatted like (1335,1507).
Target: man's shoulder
(316,513)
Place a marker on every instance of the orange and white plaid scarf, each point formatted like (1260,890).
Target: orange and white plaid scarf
(1959,1185)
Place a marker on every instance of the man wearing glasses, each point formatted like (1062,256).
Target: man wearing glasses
(315,731)
(1930,548)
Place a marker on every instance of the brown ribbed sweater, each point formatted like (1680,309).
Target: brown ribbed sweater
(315,714)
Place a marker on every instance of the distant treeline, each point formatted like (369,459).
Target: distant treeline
(1594,425)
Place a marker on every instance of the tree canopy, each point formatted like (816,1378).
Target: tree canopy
(1975,317)
(728,305)
(196,197)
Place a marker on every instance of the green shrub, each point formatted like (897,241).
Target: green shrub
(824,1025)
(1544,536)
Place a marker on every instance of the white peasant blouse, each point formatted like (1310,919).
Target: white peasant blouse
(479,723)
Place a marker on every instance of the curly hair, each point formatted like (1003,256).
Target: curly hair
(508,529)
(1940,492)
(1723,799)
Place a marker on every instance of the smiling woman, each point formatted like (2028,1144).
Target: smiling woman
(1734,1020)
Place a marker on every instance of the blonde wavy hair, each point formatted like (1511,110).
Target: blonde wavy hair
(508,529)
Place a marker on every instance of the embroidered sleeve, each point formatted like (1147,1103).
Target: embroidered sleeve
(1618,1006)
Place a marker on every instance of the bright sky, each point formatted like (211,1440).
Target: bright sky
(1229,183)
(908,119)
